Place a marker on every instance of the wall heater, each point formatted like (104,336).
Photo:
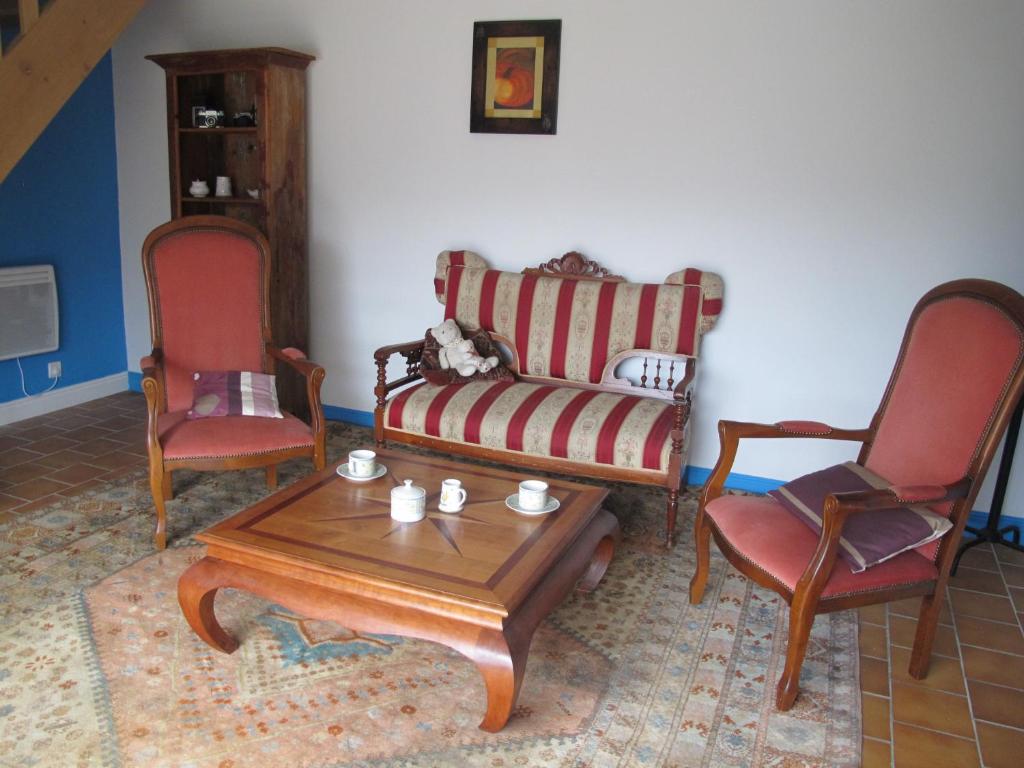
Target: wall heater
(28,311)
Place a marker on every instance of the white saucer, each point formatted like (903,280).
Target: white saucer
(378,473)
(450,510)
(512,502)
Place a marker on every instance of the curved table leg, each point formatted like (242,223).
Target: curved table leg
(599,564)
(502,665)
(197,588)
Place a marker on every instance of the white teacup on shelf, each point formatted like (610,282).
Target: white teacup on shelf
(533,494)
(453,496)
(362,463)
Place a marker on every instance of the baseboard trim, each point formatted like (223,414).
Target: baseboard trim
(64,397)
(735,480)
(348,415)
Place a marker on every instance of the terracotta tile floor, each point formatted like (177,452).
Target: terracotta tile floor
(66,452)
(969,711)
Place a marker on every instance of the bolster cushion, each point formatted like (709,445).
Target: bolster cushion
(581,425)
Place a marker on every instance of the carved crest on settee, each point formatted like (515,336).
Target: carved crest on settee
(574,264)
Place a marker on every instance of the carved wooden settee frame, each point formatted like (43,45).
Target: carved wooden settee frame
(668,377)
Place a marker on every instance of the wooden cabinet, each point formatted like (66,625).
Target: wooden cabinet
(260,145)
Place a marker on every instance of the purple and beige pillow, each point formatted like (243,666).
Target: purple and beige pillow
(234,393)
(870,537)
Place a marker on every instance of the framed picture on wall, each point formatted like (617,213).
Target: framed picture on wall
(515,76)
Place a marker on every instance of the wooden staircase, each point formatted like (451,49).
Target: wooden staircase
(48,48)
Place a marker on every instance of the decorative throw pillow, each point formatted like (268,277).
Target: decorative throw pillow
(871,537)
(233,393)
(430,362)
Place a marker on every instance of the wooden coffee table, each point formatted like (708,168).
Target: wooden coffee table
(479,581)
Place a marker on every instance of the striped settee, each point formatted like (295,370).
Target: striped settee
(570,327)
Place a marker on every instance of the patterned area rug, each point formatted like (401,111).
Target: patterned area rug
(98,668)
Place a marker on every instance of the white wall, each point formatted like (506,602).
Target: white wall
(831,160)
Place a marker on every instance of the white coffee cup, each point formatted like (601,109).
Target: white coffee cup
(453,496)
(362,463)
(223,187)
(533,494)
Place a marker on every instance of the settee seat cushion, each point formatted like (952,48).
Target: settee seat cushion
(583,425)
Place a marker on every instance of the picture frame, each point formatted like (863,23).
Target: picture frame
(515,76)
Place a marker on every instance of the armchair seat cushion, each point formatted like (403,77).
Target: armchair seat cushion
(585,425)
(767,535)
(224,436)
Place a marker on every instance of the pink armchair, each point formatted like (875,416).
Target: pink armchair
(208,282)
(959,374)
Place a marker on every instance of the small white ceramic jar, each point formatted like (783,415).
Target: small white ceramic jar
(408,503)
(199,188)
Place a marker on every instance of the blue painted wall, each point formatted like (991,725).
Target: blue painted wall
(59,206)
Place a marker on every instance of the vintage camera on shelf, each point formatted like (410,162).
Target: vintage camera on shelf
(207,118)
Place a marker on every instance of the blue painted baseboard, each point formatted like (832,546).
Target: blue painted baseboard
(693,476)
(348,415)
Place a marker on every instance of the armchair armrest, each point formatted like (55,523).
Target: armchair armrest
(685,383)
(153,388)
(314,375)
(731,432)
(412,351)
(853,502)
(406,346)
(295,358)
(153,378)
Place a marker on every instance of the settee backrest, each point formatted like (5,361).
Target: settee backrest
(571,327)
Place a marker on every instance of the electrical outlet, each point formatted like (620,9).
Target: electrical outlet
(53,369)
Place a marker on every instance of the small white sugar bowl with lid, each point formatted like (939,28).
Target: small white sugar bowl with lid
(408,503)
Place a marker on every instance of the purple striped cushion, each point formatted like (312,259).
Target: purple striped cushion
(233,393)
(869,538)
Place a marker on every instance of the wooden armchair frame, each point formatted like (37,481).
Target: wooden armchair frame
(806,599)
(153,386)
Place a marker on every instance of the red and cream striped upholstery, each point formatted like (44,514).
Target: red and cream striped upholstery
(583,425)
(569,329)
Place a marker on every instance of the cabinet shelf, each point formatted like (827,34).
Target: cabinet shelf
(216,199)
(221,129)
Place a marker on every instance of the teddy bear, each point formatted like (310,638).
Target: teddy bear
(457,352)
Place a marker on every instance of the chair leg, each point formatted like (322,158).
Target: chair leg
(801,617)
(167,486)
(271,470)
(702,543)
(927,621)
(670,517)
(157,484)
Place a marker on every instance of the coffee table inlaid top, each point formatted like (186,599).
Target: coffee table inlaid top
(488,554)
